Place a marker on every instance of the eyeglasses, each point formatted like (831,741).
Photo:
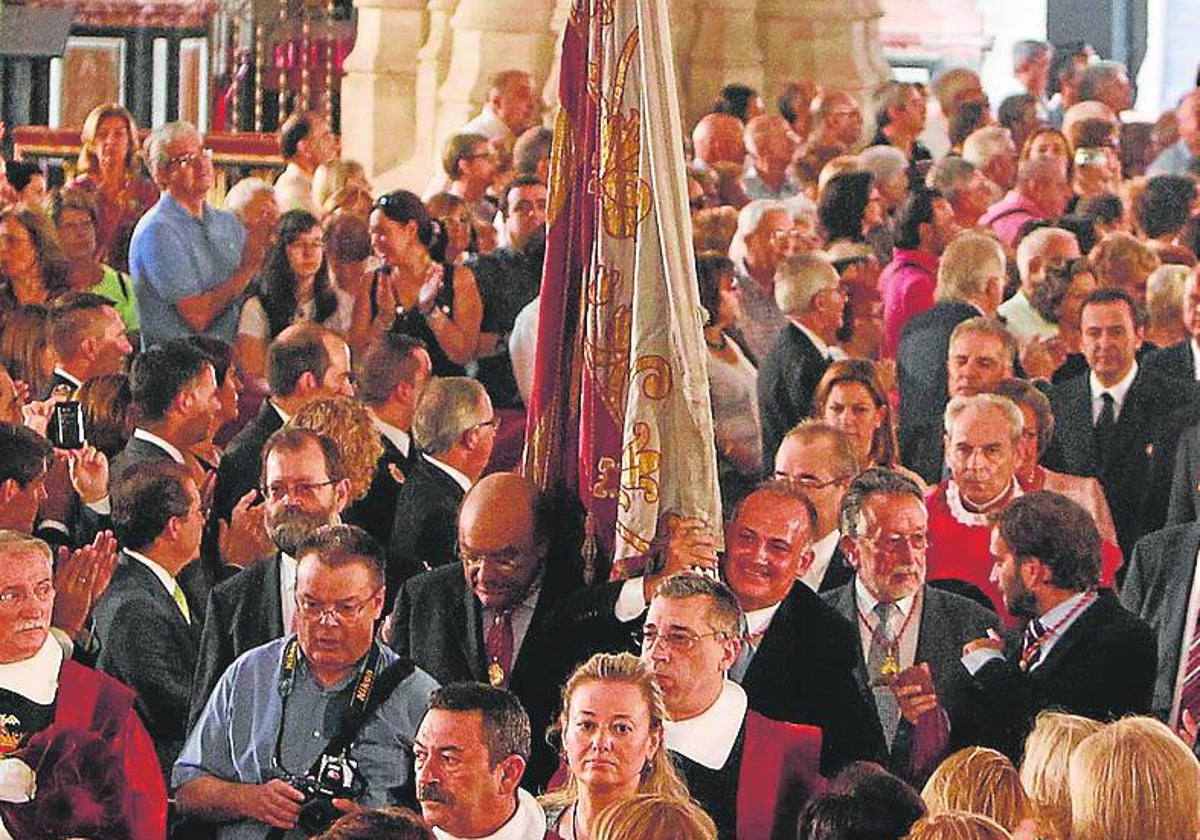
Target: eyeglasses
(675,641)
(304,245)
(494,423)
(191,158)
(337,614)
(809,481)
(297,490)
(477,155)
(891,544)
(502,560)
(42,593)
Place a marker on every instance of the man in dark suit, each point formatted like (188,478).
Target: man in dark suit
(1120,422)
(393,373)
(454,427)
(489,618)
(820,459)
(809,293)
(970,283)
(88,339)
(148,636)
(1160,588)
(174,396)
(305,362)
(1081,651)
(1179,360)
(304,487)
(911,635)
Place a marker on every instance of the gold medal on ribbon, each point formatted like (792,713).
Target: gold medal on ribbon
(496,674)
(890,668)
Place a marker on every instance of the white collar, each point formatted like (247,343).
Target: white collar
(821,346)
(966,517)
(164,577)
(822,551)
(459,477)
(527,823)
(283,415)
(867,602)
(150,437)
(708,738)
(35,678)
(400,439)
(70,377)
(1118,391)
(1195,346)
(757,621)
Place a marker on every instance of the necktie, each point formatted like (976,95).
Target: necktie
(499,645)
(738,670)
(181,602)
(1105,425)
(1032,653)
(1190,697)
(884,648)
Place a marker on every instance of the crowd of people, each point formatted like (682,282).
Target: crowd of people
(269,569)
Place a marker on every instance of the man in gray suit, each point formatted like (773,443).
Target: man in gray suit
(911,634)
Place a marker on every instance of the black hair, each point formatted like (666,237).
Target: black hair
(843,203)
(915,210)
(276,282)
(159,374)
(145,497)
(506,728)
(402,206)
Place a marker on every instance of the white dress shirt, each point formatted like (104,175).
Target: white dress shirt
(1118,391)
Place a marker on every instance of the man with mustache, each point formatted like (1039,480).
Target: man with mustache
(471,750)
(304,486)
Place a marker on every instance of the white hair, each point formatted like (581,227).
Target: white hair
(884,162)
(242,193)
(799,279)
(985,143)
(749,218)
(1008,408)
(1038,243)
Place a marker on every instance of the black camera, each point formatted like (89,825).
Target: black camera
(336,778)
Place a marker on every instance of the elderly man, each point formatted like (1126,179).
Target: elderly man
(1106,82)
(911,634)
(1120,422)
(772,145)
(900,119)
(1035,251)
(149,637)
(810,295)
(327,702)
(967,189)
(991,150)
(1174,159)
(88,338)
(455,428)
(1042,192)
(304,487)
(44,693)
(191,263)
(766,235)
(718,144)
(488,618)
(837,130)
(924,227)
(305,142)
(750,773)
(1080,652)
(471,750)
(512,107)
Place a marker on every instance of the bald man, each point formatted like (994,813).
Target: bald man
(1042,192)
(771,144)
(488,618)
(720,147)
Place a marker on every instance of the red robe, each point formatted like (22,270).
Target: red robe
(963,552)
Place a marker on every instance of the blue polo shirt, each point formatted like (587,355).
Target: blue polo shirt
(174,255)
(234,739)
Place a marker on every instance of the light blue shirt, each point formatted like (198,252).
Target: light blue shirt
(175,255)
(1172,160)
(234,739)
(976,659)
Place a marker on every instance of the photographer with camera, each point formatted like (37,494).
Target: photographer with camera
(317,723)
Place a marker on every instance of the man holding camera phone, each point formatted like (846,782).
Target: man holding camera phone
(314,724)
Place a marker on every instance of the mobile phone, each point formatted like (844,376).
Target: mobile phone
(66,426)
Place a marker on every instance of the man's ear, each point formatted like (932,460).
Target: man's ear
(806,560)
(849,547)
(511,770)
(9,489)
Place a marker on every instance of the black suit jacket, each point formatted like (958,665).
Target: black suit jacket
(146,643)
(243,612)
(947,623)
(425,527)
(438,623)
(1103,667)
(921,361)
(1136,476)
(803,672)
(838,574)
(1184,503)
(136,451)
(1158,589)
(786,381)
(375,511)
(56,379)
(1175,361)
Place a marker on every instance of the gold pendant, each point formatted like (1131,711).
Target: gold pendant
(890,668)
(496,674)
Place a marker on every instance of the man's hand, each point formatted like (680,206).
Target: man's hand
(243,541)
(275,803)
(915,694)
(80,579)
(991,642)
(348,806)
(36,415)
(89,473)
(690,545)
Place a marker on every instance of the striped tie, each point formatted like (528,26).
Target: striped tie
(1190,697)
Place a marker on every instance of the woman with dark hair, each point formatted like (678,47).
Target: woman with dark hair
(417,291)
(110,170)
(32,266)
(76,217)
(293,285)
(733,382)
(850,207)
(25,346)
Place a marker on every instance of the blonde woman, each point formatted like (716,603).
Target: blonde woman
(982,781)
(957,825)
(652,816)
(1048,750)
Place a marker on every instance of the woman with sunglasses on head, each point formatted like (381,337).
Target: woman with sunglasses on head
(417,291)
(293,285)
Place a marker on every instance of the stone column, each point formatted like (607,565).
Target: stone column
(726,49)
(433,63)
(379,103)
(836,44)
